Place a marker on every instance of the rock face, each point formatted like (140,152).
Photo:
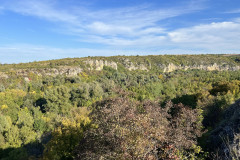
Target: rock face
(131,66)
(64,70)
(99,64)
(3,75)
(172,67)
(226,137)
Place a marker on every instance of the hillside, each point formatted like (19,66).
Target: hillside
(164,63)
(121,107)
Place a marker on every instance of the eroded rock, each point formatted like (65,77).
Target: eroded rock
(99,64)
(62,70)
(225,139)
(172,67)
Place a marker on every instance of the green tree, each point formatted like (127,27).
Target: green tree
(58,99)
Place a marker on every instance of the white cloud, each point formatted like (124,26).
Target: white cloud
(101,28)
(141,42)
(106,29)
(221,35)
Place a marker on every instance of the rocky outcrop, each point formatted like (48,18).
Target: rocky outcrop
(99,64)
(3,75)
(128,64)
(226,137)
(63,70)
(131,66)
(172,67)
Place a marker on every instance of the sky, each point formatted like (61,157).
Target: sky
(34,30)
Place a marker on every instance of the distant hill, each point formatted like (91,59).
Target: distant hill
(161,63)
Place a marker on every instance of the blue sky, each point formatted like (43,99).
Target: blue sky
(50,29)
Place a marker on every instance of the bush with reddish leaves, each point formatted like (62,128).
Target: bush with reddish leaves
(128,129)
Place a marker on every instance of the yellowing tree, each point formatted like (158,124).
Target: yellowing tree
(67,136)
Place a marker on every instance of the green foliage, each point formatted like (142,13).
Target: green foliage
(50,110)
(58,100)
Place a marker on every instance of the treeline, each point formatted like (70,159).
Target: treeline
(113,114)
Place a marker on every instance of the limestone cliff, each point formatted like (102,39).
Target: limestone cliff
(131,66)
(3,75)
(62,70)
(172,67)
(99,64)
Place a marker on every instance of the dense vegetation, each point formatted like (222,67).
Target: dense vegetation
(115,114)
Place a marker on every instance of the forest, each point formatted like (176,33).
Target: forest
(135,107)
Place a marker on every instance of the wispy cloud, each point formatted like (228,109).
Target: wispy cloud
(42,9)
(128,30)
(1,9)
(119,26)
(233,11)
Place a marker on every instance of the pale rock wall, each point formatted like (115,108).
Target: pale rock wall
(64,70)
(128,64)
(131,66)
(3,75)
(99,64)
(172,67)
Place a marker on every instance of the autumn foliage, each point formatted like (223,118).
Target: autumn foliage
(128,129)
